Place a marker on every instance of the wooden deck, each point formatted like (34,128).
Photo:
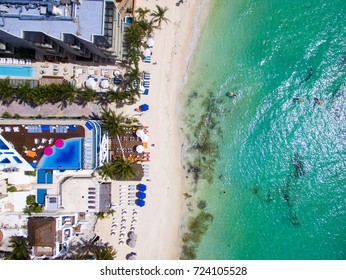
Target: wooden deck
(30,141)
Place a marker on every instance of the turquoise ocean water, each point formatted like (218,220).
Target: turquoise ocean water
(272,171)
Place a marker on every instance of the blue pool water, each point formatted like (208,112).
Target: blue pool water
(128,20)
(19,71)
(69,157)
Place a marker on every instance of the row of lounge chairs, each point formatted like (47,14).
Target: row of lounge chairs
(15,61)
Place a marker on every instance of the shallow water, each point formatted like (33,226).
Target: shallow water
(266,204)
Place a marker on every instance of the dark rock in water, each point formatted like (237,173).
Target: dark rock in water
(294,219)
(195,170)
(308,77)
(255,189)
(201,204)
(298,166)
(269,196)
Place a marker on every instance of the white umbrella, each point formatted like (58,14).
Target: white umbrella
(140,133)
(139,149)
(147,52)
(145,138)
(90,83)
(141,88)
(150,42)
(116,73)
(104,84)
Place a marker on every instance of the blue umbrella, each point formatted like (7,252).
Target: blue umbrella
(142,187)
(141,195)
(140,202)
(144,107)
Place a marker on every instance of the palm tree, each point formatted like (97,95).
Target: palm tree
(159,15)
(20,249)
(146,25)
(134,35)
(105,252)
(142,13)
(112,123)
(131,76)
(7,91)
(123,170)
(88,250)
(107,171)
(24,94)
(85,95)
(133,56)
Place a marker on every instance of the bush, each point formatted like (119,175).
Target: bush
(30,173)
(6,115)
(12,189)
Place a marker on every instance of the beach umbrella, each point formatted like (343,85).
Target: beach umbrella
(144,138)
(131,243)
(150,42)
(141,88)
(132,235)
(140,202)
(140,132)
(104,84)
(139,149)
(144,107)
(142,187)
(141,195)
(59,143)
(48,151)
(130,256)
(147,52)
(116,73)
(90,83)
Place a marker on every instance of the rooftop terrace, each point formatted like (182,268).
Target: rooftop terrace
(63,16)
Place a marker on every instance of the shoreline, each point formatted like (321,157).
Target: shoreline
(160,221)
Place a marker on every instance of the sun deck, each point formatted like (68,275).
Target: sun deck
(29,145)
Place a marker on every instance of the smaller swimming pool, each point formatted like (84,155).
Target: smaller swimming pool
(128,20)
(18,71)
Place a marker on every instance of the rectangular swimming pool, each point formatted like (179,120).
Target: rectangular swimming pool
(18,71)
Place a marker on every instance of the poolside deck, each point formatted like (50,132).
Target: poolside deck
(29,138)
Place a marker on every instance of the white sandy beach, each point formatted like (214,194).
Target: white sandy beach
(158,227)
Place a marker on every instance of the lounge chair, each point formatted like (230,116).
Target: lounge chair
(147,59)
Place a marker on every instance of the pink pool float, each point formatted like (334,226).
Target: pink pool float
(48,151)
(59,143)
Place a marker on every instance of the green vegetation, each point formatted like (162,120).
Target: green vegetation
(102,215)
(11,189)
(20,249)
(30,173)
(105,252)
(112,123)
(159,15)
(32,206)
(91,251)
(197,227)
(6,115)
(120,169)
(66,94)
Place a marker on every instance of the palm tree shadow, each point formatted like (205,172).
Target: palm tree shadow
(94,116)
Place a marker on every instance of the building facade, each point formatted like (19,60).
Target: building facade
(65,30)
